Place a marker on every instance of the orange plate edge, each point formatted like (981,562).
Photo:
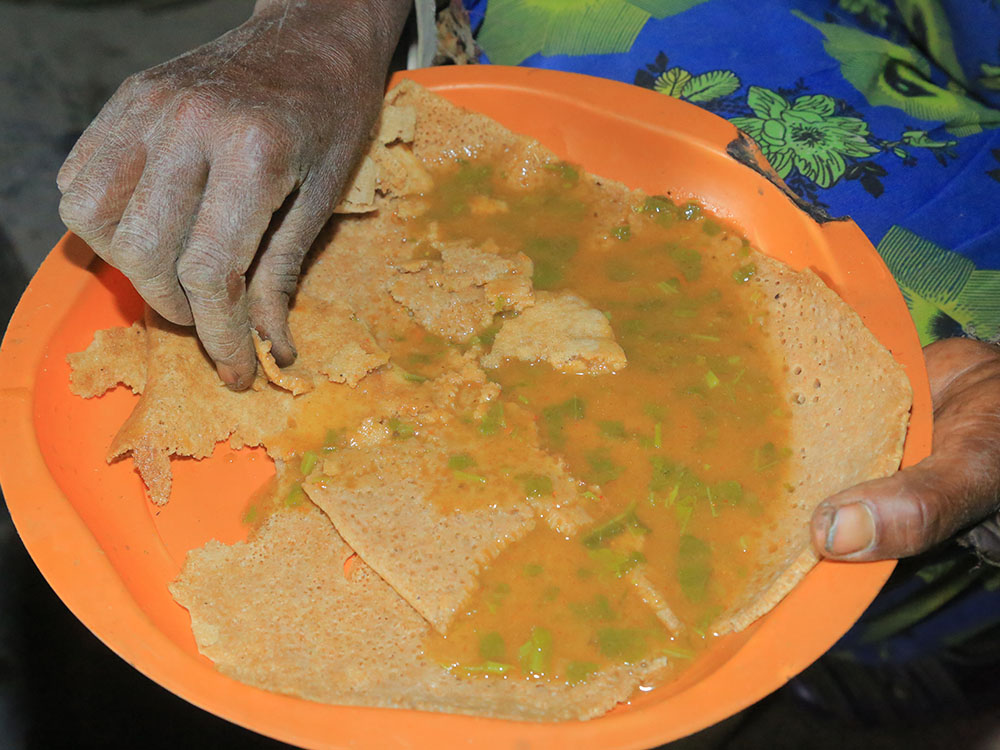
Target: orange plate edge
(535,102)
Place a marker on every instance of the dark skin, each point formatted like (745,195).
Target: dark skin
(233,153)
(206,179)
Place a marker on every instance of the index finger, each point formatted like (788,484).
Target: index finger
(241,195)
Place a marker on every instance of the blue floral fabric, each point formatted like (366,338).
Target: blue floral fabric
(887,111)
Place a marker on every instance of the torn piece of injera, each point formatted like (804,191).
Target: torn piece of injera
(116,355)
(332,342)
(833,367)
(279,613)
(379,500)
(185,409)
(389,168)
(564,331)
(457,296)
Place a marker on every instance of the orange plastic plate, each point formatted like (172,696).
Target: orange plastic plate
(109,553)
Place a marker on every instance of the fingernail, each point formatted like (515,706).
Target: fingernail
(229,376)
(852,530)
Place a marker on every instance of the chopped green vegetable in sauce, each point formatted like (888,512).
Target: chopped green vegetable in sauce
(551,256)
(566,171)
(602,468)
(536,485)
(535,654)
(579,671)
(496,596)
(492,647)
(460,461)
(295,497)
(687,260)
(308,462)
(533,569)
(744,273)
(598,609)
(612,429)
(493,421)
(670,286)
(768,456)
(616,563)
(694,567)
(556,416)
(622,644)
(626,521)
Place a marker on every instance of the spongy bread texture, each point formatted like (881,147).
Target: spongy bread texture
(279,612)
(832,367)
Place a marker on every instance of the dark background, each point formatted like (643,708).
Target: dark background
(59,686)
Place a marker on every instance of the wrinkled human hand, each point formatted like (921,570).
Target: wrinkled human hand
(953,488)
(206,179)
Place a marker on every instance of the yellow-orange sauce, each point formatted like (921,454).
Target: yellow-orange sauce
(686,444)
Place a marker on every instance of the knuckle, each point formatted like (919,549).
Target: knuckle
(80,211)
(263,146)
(134,250)
(203,275)
(193,106)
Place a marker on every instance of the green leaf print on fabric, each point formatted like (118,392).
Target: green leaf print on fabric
(805,135)
(514,30)
(943,289)
(711,85)
(877,13)
(891,75)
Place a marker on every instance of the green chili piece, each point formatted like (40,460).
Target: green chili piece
(535,654)
(623,232)
(744,273)
(308,462)
(533,570)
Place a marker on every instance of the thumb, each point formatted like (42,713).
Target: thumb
(895,516)
(954,487)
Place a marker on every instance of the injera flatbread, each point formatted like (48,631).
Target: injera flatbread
(115,356)
(279,613)
(850,403)
(564,331)
(379,499)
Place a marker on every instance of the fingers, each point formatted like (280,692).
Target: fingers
(279,263)
(95,134)
(246,184)
(953,488)
(149,239)
(92,205)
